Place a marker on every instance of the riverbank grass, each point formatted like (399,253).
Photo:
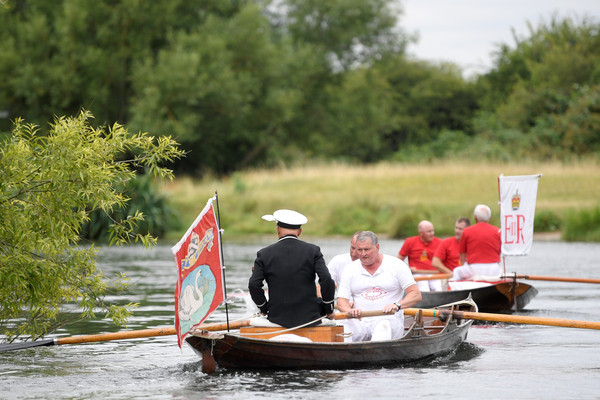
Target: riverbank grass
(388,199)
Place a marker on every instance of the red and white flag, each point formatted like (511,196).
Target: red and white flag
(200,288)
(517,211)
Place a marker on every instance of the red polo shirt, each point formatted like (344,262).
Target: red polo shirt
(448,252)
(419,254)
(481,242)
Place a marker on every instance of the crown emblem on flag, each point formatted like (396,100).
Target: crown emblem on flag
(516,200)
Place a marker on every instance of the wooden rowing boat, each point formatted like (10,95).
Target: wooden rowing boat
(491,296)
(425,337)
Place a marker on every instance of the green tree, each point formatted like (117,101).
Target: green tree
(343,112)
(49,184)
(424,100)
(224,90)
(358,112)
(348,32)
(547,88)
(60,56)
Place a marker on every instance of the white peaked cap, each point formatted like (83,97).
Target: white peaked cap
(287,218)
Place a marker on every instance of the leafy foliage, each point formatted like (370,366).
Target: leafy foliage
(49,183)
(548,87)
(145,197)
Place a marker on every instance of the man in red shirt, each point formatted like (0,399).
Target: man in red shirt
(420,250)
(480,247)
(447,256)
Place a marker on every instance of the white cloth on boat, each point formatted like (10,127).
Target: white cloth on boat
(290,337)
(468,271)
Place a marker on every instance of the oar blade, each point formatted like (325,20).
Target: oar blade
(26,345)
(556,278)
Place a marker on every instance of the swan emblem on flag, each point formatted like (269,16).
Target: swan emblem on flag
(195,288)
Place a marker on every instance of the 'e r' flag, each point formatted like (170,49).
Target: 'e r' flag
(517,210)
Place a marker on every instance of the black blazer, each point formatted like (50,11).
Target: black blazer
(289,267)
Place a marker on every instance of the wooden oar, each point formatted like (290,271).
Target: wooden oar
(363,314)
(103,337)
(516,319)
(553,278)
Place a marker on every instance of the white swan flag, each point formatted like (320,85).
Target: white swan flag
(200,284)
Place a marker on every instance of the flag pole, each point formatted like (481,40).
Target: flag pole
(222,259)
(500,221)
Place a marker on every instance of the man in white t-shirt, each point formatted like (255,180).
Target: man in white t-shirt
(337,263)
(376,282)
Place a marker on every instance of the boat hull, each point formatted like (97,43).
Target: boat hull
(426,337)
(504,296)
(236,352)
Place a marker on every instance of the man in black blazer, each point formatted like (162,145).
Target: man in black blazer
(290,267)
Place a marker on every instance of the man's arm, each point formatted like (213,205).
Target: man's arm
(345,306)
(255,286)
(412,297)
(463,258)
(326,285)
(437,263)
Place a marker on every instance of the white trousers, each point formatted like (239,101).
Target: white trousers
(467,271)
(374,328)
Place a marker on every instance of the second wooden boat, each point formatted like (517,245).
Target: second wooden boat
(491,296)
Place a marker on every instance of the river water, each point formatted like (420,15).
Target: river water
(498,361)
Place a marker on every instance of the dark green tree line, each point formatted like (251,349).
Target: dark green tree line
(244,83)
(59,57)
